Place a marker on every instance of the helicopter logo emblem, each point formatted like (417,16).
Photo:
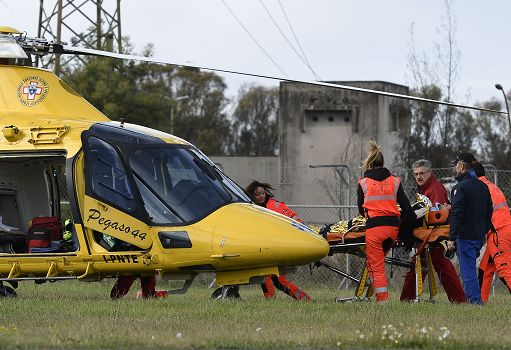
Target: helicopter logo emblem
(32,90)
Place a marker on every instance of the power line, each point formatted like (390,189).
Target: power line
(287,40)
(296,38)
(254,39)
(3,2)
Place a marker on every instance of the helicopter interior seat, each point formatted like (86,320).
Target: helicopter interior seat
(195,196)
(184,190)
(12,237)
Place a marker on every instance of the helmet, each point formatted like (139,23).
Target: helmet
(68,228)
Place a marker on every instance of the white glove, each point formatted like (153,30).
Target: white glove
(420,212)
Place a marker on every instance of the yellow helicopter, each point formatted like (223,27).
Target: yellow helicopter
(141,201)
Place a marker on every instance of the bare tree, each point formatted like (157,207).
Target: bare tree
(493,137)
(448,60)
(436,132)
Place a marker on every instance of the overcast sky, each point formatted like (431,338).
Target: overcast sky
(342,40)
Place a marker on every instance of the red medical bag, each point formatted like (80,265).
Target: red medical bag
(52,223)
(38,237)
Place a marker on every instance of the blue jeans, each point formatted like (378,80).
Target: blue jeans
(468,252)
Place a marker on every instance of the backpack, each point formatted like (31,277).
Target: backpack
(38,237)
(42,231)
(51,223)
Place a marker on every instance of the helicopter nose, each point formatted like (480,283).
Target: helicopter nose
(298,246)
(252,236)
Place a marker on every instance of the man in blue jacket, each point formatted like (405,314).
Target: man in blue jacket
(470,220)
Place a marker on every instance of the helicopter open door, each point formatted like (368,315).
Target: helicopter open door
(110,206)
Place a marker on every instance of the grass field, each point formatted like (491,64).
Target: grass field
(73,315)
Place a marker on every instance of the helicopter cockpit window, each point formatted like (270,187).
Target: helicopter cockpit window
(175,185)
(238,194)
(109,177)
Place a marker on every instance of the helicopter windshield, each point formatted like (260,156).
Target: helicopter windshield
(179,185)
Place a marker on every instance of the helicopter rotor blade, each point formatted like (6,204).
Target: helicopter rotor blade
(65,49)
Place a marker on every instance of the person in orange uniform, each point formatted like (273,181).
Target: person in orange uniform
(379,193)
(261,195)
(429,186)
(497,256)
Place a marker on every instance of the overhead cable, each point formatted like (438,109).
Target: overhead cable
(296,37)
(7,7)
(254,39)
(287,40)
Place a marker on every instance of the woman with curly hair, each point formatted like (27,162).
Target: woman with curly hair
(261,195)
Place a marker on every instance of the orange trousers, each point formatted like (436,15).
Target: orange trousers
(498,248)
(283,284)
(379,240)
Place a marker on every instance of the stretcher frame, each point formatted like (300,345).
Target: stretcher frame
(355,246)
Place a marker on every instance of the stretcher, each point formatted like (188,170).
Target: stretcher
(350,239)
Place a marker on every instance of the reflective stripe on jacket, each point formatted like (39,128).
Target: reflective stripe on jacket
(380,197)
(501,216)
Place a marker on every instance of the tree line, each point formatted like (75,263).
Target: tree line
(439,133)
(191,102)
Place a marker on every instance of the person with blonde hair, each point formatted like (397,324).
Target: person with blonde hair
(379,192)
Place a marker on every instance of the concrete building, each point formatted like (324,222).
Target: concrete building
(322,134)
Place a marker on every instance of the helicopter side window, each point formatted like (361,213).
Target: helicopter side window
(109,177)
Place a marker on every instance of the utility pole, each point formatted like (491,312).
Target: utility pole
(57,20)
(499,87)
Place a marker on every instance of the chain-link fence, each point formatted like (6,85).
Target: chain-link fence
(327,194)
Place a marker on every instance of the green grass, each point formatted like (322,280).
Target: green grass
(73,315)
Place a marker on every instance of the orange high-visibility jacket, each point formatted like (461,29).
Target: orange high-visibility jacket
(501,216)
(380,197)
(282,208)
